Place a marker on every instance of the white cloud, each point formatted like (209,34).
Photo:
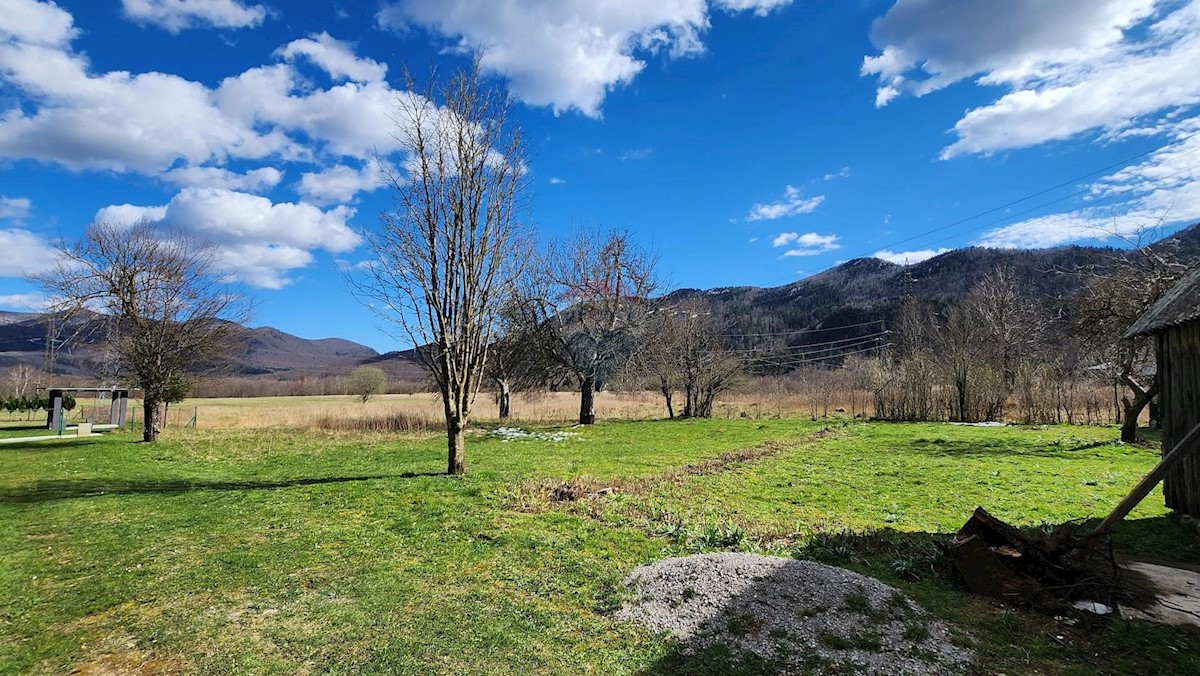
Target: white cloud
(1114,69)
(808,244)
(24,253)
(265,266)
(128,214)
(1164,186)
(567,54)
(351,119)
(260,240)
(151,122)
(336,57)
(340,183)
(14,208)
(23,302)
(554,180)
(841,173)
(759,7)
(176,15)
(792,204)
(35,23)
(255,180)
(926,45)
(1065,67)
(908,257)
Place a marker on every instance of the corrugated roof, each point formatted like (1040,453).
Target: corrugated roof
(1179,306)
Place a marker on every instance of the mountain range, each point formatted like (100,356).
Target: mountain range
(845,303)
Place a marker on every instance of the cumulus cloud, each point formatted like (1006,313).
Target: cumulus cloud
(808,244)
(128,214)
(335,57)
(567,54)
(340,183)
(908,257)
(36,23)
(152,122)
(176,15)
(255,180)
(1065,67)
(14,208)
(792,204)
(1112,69)
(24,253)
(260,240)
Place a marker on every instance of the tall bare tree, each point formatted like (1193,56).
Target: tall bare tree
(172,315)
(591,297)
(454,236)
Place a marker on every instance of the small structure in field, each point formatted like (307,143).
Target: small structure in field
(118,404)
(1174,321)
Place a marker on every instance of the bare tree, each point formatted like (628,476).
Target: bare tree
(1117,294)
(684,348)
(367,381)
(454,236)
(591,300)
(19,378)
(905,389)
(171,314)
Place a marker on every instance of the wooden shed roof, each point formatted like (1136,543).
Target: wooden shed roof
(1179,306)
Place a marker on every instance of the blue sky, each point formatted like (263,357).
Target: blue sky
(748,142)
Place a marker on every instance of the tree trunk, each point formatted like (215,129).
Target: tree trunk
(455,445)
(151,426)
(587,401)
(666,392)
(1133,409)
(505,399)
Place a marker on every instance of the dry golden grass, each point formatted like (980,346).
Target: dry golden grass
(318,412)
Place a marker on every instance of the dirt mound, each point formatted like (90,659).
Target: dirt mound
(793,613)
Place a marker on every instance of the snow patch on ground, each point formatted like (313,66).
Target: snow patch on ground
(508,434)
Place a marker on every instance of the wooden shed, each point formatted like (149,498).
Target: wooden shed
(1174,321)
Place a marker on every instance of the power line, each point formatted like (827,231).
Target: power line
(822,360)
(1051,189)
(809,347)
(1102,200)
(800,331)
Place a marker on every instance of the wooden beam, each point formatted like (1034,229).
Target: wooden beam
(1139,492)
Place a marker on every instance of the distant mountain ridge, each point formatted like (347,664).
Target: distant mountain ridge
(850,300)
(266,350)
(871,291)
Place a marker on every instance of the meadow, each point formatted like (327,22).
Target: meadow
(283,549)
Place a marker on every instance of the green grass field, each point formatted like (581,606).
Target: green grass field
(256,551)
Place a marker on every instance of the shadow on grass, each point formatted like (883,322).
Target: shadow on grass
(58,443)
(993,448)
(65,489)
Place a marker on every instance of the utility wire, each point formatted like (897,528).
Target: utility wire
(1051,189)
(800,331)
(811,347)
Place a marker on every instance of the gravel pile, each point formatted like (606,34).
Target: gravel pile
(794,613)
